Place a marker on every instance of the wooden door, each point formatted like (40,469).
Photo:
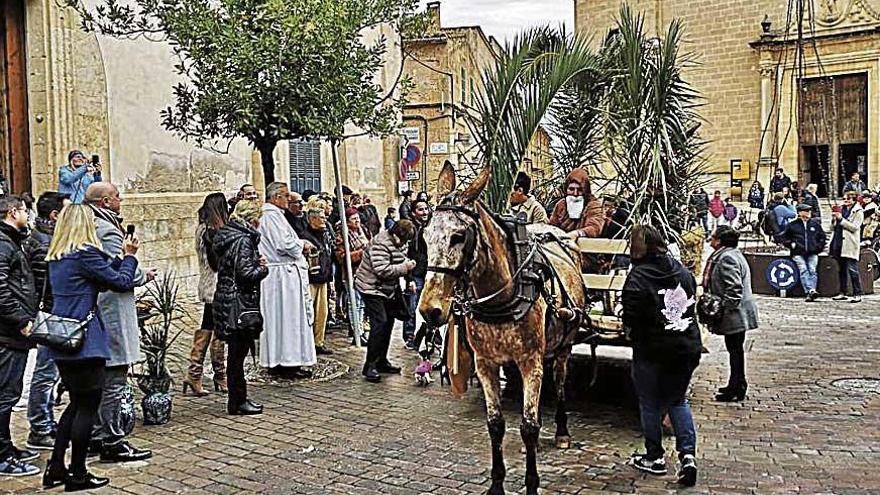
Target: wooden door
(15,163)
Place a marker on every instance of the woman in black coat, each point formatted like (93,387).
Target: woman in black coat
(659,298)
(237,318)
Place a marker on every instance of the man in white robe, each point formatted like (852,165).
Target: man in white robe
(286,341)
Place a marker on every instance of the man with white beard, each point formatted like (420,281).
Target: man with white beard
(579,213)
(287,343)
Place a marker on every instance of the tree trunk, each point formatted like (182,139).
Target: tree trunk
(266,149)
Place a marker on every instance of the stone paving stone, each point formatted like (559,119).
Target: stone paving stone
(795,433)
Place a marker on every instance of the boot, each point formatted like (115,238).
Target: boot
(193,380)
(218,362)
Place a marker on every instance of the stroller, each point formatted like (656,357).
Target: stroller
(429,341)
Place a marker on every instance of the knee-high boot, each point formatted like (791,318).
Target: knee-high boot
(193,380)
(218,362)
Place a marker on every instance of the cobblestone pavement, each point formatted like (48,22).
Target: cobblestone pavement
(796,432)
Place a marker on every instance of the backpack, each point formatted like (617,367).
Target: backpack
(768,221)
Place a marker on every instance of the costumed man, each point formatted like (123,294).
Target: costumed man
(579,213)
(522,204)
(286,344)
(119,314)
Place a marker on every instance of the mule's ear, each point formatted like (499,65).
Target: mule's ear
(473,191)
(446,182)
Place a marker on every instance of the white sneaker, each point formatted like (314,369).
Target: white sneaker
(856,299)
(840,297)
(653,466)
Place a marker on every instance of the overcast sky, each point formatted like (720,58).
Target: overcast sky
(504,18)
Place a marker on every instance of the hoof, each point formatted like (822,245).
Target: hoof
(496,489)
(563,442)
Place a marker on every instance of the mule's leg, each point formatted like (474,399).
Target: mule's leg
(533,374)
(560,372)
(489,377)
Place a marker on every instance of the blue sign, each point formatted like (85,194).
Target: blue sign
(783,274)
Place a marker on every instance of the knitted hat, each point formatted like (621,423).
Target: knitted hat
(524,181)
(73,154)
(351,211)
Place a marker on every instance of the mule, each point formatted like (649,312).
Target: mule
(469,260)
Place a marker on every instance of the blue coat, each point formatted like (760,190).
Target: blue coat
(75,182)
(76,280)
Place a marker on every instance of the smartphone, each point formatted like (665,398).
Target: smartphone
(129,231)
(96,159)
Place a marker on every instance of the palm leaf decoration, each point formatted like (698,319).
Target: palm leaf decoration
(518,92)
(652,139)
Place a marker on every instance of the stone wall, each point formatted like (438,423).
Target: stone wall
(165,224)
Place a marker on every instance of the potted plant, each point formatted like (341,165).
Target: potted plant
(157,336)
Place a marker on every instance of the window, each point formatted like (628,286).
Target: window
(473,93)
(305,165)
(463,86)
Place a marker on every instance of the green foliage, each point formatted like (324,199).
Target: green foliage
(266,70)
(156,338)
(518,93)
(652,129)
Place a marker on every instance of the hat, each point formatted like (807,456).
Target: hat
(73,154)
(804,207)
(524,181)
(307,194)
(351,211)
(346,191)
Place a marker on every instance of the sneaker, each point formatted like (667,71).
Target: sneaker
(856,299)
(15,468)
(24,455)
(839,297)
(39,441)
(410,345)
(812,295)
(653,466)
(687,475)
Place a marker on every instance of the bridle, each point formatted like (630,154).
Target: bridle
(468,258)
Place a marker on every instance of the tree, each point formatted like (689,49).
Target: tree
(266,70)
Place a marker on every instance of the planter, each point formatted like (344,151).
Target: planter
(157,408)
(760,261)
(127,411)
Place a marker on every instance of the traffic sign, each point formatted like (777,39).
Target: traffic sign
(413,175)
(413,155)
(411,134)
(783,274)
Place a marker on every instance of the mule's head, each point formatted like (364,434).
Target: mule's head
(451,237)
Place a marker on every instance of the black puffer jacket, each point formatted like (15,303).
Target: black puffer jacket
(418,252)
(659,310)
(239,275)
(18,297)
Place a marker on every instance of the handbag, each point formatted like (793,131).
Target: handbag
(710,309)
(399,307)
(59,333)
(242,316)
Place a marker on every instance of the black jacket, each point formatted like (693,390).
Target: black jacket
(700,203)
(238,276)
(418,252)
(36,246)
(777,184)
(299,224)
(18,297)
(370,219)
(659,311)
(804,240)
(321,239)
(405,210)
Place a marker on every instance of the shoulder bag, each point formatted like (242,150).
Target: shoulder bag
(242,316)
(61,334)
(709,306)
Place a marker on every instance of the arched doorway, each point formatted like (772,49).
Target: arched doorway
(15,162)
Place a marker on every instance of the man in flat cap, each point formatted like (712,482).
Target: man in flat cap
(805,239)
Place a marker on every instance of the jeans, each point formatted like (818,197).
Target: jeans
(110,428)
(735,348)
(807,266)
(236,353)
(704,221)
(381,324)
(409,326)
(42,394)
(849,268)
(661,388)
(12,365)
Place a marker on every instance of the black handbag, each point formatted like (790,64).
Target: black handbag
(399,307)
(65,335)
(243,317)
(59,333)
(710,309)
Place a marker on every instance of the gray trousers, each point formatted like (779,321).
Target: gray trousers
(109,429)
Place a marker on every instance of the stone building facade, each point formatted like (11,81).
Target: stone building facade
(746,73)
(66,89)
(446,66)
